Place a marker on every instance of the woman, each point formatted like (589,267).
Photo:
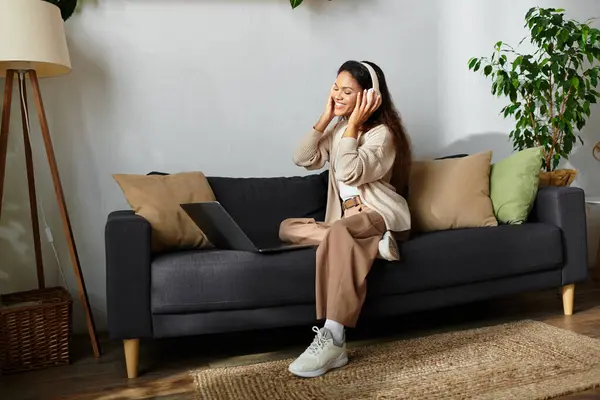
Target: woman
(365,147)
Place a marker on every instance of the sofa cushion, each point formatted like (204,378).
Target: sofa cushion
(210,280)
(514,185)
(157,199)
(451,193)
(259,205)
(457,257)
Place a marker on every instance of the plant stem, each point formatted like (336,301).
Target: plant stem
(551,152)
(533,123)
(558,132)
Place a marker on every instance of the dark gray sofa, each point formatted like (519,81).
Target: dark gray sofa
(211,291)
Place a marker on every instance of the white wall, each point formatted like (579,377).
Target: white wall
(208,85)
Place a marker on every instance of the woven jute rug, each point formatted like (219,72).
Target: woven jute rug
(522,360)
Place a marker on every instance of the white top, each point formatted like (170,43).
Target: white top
(347,192)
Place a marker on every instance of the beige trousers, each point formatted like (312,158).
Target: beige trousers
(346,251)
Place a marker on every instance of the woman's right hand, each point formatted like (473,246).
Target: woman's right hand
(327,115)
(329,105)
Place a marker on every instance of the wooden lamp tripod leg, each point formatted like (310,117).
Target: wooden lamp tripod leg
(62,205)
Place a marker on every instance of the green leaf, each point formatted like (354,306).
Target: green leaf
(502,60)
(295,3)
(472,63)
(586,108)
(487,70)
(518,61)
(575,82)
(564,35)
(585,32)
(557,19)
(500,81)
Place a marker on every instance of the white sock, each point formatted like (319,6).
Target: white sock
(337,330)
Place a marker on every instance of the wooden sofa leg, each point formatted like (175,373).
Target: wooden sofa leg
(132,356)
(568,295)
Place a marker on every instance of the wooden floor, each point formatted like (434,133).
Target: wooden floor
(165,364)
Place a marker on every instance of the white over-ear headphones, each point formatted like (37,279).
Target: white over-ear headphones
(373,77)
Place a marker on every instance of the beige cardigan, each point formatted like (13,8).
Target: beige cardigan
(366,163)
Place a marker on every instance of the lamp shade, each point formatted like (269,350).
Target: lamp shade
(32,36)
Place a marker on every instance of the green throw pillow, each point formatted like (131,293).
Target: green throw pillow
(514,183)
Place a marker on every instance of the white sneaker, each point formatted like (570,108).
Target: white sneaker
(388,247)
(322,355)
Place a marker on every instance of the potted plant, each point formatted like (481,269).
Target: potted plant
(551,89)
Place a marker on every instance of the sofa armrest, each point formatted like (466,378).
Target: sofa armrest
(564,207)
(128,258)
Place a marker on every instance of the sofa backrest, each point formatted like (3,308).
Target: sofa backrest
(259,205)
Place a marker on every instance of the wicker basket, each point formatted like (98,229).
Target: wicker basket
(559,177)
(36,334)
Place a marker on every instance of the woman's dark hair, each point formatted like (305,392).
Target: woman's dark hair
(387,115)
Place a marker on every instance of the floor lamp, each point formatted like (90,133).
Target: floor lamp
(32,45)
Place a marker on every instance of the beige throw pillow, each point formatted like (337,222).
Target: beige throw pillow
(451,193)
(157,198)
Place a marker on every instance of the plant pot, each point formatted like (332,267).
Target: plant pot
(559,177)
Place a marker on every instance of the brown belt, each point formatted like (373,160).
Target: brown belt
(352,202)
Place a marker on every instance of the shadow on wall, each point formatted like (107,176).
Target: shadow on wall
(582,157)
(498,143)
(16,239)
(588,178)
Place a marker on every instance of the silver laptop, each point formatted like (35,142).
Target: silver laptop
(224,233)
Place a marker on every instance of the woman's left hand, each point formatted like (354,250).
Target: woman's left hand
(366,104)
